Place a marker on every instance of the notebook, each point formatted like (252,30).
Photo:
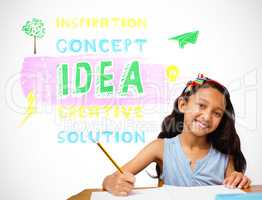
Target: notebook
(170,192)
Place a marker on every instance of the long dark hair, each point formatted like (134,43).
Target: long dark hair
(224,139)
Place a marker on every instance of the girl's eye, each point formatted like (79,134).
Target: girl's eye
(202,106)
(217,114)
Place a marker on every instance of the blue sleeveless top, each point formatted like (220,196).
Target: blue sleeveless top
(177,170)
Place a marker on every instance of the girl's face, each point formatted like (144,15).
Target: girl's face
(203,111)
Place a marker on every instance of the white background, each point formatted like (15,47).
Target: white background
(34,166)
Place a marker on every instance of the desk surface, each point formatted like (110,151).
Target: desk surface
(86,194)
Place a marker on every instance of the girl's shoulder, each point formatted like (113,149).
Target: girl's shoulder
(157,146)
(159,141)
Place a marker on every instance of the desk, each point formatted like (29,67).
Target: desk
(86,194)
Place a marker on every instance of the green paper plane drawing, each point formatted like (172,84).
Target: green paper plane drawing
(186,38)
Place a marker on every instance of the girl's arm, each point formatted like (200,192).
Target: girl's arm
(122,184)
(233,178)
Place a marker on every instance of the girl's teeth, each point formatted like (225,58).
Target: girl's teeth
(201,125)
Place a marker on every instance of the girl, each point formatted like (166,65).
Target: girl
(198,144)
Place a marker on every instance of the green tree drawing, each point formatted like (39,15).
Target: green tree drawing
(34,28)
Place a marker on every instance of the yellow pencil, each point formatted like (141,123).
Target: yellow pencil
(110,158)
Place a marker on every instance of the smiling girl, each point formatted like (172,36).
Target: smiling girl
(198,144)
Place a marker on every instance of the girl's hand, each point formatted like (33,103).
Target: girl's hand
(237,179)
(121,184)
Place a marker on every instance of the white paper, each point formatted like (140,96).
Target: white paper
(139,194)
(199,192)
(170,192)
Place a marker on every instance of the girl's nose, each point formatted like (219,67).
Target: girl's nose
(207,116)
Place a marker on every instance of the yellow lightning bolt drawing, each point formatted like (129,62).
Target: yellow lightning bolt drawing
(31,107)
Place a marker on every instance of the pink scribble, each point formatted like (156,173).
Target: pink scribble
(39,75)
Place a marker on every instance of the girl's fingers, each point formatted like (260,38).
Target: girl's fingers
(243,182)
(226,181)
(229,180)
(127,189)
(129,177)
(237,179)
(122,187)
(126,182)
(121,190)
(123,193)
(126,186)
(248,184)
(119,193)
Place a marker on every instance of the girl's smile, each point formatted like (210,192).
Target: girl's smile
(200,124)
